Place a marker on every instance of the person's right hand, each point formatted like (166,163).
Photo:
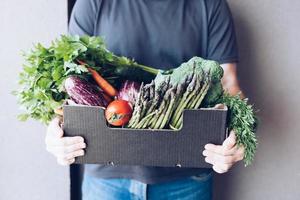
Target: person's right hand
(65,149)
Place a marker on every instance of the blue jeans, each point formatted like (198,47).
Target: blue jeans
(191,188)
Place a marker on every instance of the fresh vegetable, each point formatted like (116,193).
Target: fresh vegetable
(46,68)
(192,85)
(83,92)
(103,84)
(159,104)
(199,66)
(118,112)
(165,103)
(129,91)
(182,88)
(243,121)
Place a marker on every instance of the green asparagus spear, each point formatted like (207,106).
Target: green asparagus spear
(147,122)
(165,86)
(199,101)
(170,109)
(154,103)
(179,118)
(137,107)
(142,123)
(159,112)
(197,90)
(161,115)
(146,100)
(165,108)
(135,117)
(152,90)
(183,100)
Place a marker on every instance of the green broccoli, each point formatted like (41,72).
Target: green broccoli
(197,65)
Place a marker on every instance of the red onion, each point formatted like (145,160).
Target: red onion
(129,91)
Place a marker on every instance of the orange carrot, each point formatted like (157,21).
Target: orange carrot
(81,62)
(103,84)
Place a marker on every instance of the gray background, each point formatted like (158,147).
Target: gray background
(268,33)
(27,171)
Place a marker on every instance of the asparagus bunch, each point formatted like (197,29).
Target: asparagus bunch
(153,107)
(192,97)
(159,106)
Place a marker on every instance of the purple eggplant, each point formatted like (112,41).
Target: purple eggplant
(83,92)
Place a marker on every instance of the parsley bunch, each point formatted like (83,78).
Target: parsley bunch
(42,78)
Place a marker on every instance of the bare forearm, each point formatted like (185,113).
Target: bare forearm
(233,90)
(230,81)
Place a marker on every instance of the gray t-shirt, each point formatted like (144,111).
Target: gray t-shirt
(161,34)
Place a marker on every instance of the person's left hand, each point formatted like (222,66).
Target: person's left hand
(224,156)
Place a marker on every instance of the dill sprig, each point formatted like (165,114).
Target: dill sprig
(243,120)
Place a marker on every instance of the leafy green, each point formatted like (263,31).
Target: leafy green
(195,64)
(201,67)
(243,121)
(213,94)
(46,68)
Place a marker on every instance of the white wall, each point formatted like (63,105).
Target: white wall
(27,171)
(268,34)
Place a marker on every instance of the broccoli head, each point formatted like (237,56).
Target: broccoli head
(196,64)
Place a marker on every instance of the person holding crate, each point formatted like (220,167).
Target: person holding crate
(158,33)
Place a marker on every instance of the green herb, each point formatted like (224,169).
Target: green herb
(243,121)
(46,68)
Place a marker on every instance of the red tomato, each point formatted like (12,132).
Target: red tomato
(118,112)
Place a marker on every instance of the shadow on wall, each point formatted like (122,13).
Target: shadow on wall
(249,79)
(260,90)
